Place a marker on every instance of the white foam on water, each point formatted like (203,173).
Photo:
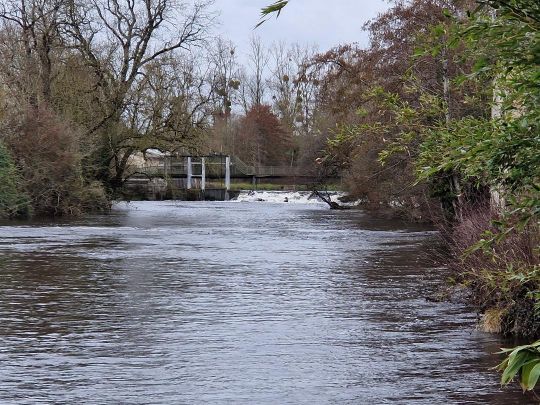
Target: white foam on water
(284,197)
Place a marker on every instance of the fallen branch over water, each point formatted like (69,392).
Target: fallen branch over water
(327,199)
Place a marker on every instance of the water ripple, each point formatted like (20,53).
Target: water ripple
(220,303)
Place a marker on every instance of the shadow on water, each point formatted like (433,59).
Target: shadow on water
(234,303)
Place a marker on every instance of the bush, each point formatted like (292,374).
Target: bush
(46,150)
(504,277)
(95,198)
(13,202)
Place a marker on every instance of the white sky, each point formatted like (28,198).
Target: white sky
(306,22)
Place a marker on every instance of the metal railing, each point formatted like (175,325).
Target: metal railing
(239,167)
(177,168)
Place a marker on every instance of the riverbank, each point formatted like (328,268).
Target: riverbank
(503,276)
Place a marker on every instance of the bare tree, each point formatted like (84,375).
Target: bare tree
(171,106)
(293,86)
(118,39)
(226,75)
(253,85)
(33,28)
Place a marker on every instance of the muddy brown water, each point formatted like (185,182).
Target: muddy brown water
(234,303)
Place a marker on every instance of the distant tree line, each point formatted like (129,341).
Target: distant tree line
(88,85)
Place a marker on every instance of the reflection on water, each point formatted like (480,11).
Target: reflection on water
(233,303)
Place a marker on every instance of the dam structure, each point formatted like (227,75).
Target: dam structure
(203,177)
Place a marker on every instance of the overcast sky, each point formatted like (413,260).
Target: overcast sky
(303,21)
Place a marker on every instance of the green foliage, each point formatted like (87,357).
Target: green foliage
(523,360)
(274,8)
(502,152)
(516,286)
(13,201)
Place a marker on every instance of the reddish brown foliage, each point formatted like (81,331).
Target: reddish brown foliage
(352,88)
(263,140)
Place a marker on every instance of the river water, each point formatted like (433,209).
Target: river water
(234,303)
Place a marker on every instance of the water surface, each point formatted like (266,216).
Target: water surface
(244,303)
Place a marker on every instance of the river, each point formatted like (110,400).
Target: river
(234,303)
